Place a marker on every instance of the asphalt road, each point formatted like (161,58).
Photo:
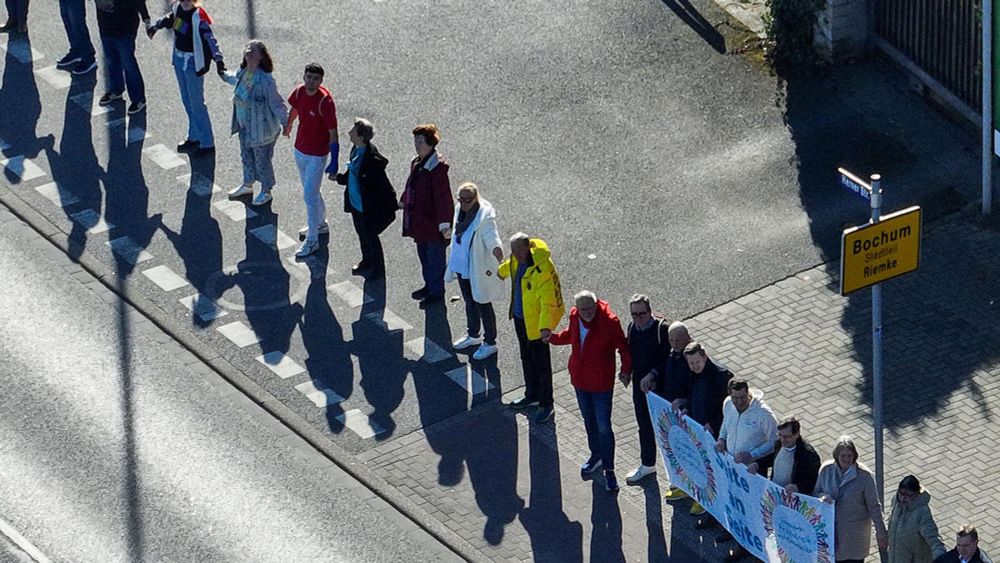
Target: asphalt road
(112,449)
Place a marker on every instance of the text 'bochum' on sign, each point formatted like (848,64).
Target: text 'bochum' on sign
(874,253)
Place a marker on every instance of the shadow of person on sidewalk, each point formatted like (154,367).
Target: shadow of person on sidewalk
(606,524)
(22,108)
(553,536)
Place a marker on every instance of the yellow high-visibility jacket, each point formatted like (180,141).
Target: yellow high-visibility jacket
(541,294)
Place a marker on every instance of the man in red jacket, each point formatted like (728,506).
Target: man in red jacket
(595,334)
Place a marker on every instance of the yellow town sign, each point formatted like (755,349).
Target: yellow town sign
(874,253)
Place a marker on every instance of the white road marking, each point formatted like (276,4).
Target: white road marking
(271,236)
(234,210)
(390,320)
(282,366)
(201,185)
(58,79)
(94,223)
(322,397)
(22,51)
(22,167)
(360,424)
(468,379)
(350,294)
(22,542)
(239,334)
(87,102)
(165,278)
(128,250)
(203,307)
(425,349)
(58,195)
(163,157)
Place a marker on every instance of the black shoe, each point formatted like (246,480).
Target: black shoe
(430,300)
(521,404)
(85,67)
(108,98)
(544,414)
(8,27)
(360,269)
(68,61)
(419,294)
(136,107)
(610,481)
(590,466)
(188,146)
(203,151)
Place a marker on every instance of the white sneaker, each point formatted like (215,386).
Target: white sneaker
(323,229)
(241,191)
(307,248)
(466,342)
(639,474)
(484,351)
(261,199)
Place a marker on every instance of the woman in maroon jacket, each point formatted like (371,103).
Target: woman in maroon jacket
(595,334)
(427,211)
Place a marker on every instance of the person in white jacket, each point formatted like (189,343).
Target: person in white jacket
(749,427)
(749,430)
(474,255)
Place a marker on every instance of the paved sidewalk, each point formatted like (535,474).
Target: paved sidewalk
(513,489)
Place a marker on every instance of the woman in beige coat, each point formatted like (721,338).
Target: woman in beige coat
(913,535)
(851,486)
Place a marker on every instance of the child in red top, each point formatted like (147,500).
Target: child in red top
(316,138)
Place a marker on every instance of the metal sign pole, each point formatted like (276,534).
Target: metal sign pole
(987,106)
(876,199)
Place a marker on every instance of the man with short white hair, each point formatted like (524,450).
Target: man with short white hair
(595,334)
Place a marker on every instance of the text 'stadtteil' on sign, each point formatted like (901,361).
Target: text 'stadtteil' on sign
(874,253)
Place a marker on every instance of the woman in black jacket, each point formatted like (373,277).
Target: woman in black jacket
(368,197)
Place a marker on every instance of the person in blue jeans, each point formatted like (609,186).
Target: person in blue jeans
(80,58)
(118,23)
(595,334)
(195,48)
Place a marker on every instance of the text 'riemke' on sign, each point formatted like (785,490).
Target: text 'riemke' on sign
(874,253)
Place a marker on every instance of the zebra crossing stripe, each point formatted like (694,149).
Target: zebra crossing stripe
(321,396)
(23,168)
(57,194)
(93,222)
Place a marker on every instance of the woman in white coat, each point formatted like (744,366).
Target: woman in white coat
(475,253)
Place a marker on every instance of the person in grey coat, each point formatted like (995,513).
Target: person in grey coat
(259,113)
(913,535)
(851,486)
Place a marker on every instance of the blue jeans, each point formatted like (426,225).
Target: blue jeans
(74,17)
(192,89)
(596,411)
(432,266)
(121,68)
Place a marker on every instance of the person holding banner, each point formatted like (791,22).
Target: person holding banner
(595,334)
(913,535)
(850,485)
(709,389)
(672,381)
(794,464)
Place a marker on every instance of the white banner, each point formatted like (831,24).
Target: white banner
(769,522)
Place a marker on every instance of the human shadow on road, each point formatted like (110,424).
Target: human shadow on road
(22,108)
(328,359)
(74,167)
(198,242)
(553,536)
(606,525)
(381,363)
(693,18)
(656,546)
(266,286)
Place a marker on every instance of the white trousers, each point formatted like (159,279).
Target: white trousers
(311,172)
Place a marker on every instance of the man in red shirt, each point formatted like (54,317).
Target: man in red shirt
(595,333)
(316,138)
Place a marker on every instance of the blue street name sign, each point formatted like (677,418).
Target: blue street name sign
(855,184)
